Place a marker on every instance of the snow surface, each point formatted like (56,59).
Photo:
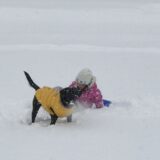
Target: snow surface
(53,40)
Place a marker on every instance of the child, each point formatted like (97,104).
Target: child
(92,95)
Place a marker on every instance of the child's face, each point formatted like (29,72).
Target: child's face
(81,86)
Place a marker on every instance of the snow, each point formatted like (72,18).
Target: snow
(53,40)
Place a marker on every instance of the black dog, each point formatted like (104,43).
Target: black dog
(57,104)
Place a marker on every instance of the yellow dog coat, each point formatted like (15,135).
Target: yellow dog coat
(49,98)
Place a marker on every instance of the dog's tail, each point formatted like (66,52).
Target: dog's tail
(30,81)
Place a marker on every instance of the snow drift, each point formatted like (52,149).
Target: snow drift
(118,40)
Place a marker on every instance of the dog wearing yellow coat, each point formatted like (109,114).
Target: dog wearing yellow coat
(56,103)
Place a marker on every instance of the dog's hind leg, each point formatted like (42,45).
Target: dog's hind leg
(36,106)
(53,119)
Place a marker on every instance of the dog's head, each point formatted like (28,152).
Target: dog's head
(69,94)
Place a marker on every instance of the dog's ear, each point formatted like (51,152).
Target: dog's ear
(64,95)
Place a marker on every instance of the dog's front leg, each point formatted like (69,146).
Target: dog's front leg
(69,118)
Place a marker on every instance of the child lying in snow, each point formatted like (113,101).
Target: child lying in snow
(92,95)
